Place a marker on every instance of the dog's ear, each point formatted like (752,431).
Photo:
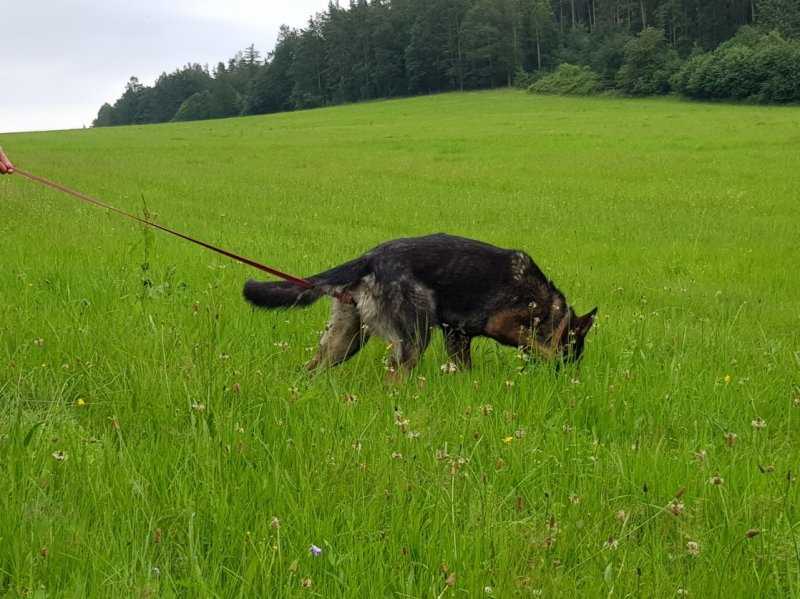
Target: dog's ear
(584,323)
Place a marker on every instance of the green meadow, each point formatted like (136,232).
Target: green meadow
(160,438)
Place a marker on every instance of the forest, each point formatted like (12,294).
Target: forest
(737,50)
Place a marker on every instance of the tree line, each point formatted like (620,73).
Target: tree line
(708,49)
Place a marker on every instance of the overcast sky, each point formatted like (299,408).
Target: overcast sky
(60,60)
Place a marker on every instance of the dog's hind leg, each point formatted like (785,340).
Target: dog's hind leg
(343,337)
(410,326)
(408,348)
(458,348)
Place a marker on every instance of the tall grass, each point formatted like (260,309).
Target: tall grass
(160,438)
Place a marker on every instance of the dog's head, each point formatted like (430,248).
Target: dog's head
(568,340)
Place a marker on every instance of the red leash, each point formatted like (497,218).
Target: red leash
(342,297)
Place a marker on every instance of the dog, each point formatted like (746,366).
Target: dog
(402,289)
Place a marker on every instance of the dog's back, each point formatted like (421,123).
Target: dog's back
(469,279)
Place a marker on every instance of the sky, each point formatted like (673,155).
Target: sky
(61,60)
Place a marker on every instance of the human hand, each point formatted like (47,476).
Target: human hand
(5,164)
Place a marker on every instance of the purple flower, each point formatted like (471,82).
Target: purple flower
(315,551)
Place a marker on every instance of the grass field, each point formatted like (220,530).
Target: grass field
(159,438)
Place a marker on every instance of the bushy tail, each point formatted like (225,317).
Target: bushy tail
(279,294)
(283,294)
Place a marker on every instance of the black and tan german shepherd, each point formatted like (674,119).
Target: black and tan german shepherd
(404,288)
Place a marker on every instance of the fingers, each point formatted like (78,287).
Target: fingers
(5,164)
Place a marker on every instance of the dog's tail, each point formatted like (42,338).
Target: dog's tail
(283,294)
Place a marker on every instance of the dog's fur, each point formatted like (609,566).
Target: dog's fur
(404,288)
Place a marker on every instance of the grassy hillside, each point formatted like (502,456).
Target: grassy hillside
(159,437)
